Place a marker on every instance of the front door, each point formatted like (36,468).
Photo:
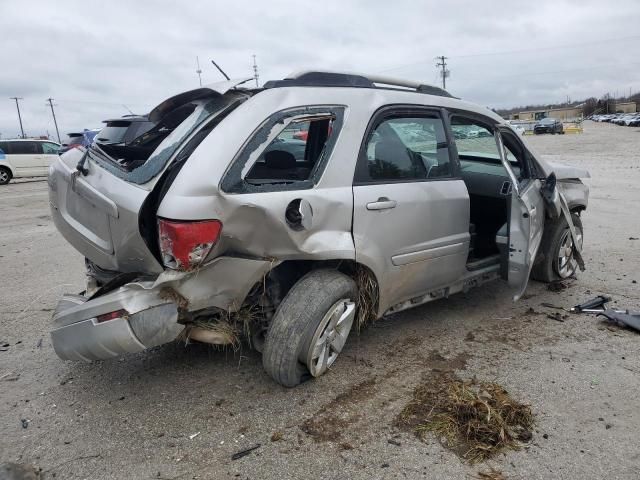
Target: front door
(526,223)
(49,155)
(411,216)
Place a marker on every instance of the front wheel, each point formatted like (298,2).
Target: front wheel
(310,327)
(555,258)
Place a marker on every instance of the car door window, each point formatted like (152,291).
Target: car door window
(477,148)
(25,148)
(4,148)
(50,148)
(406,147)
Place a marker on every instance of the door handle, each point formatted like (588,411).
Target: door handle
(383,203)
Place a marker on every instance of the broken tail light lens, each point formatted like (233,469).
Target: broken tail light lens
(105,317)
(185,245)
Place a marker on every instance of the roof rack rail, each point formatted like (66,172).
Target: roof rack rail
(312,78)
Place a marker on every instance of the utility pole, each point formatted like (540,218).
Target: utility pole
(55,122)
(198,70)
(19,117)
(444,73)
(255,71)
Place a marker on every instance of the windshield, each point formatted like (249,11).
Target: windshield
(546,121)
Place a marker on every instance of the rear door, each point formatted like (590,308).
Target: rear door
(526,223)
(411,209)
(26,158)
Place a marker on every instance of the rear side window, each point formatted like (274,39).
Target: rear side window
(25,148)
(4,147)
(406,147)
(294,152)
(289,151)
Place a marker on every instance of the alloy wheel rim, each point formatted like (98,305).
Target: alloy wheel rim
(330,336)
(4,176)
(566,264)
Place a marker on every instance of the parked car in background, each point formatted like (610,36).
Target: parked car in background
(123,130)
(205,227)
(548,125)
(519,129)
(635,121)
(630,118)
(78,139)
(26,158)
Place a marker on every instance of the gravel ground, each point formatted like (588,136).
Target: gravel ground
(176,412)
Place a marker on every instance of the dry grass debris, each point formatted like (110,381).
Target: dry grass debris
(367,297)
(491,474)
(477,420)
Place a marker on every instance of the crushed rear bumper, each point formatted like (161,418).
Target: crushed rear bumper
(143,320)
(143,314)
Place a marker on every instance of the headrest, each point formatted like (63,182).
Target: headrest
(279,160)
(393,151)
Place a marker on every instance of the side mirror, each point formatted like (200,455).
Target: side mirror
(550,195)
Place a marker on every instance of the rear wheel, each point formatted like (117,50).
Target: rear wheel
(310,327)
(556,260)
(5,175)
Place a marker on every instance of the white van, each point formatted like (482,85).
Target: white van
(26,158)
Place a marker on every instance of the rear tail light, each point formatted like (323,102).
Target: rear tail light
(185,245)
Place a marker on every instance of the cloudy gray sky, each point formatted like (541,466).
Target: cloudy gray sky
(94,58)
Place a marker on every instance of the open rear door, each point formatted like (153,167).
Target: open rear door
(526,225)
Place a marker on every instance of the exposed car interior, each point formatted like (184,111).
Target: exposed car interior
(139,150)
(292,155)
(489,188)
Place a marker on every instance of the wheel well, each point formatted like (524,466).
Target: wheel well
(286,274)
(7,168)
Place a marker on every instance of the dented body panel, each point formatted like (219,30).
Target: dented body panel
(415,241)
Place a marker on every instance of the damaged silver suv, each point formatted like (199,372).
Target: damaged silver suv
(285,215)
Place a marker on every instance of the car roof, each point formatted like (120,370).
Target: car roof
(27,140)
(412,92)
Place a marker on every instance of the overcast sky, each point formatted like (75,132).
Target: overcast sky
(95,58)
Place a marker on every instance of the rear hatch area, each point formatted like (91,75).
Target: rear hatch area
(97,194)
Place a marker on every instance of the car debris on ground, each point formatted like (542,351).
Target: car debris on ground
(598,306)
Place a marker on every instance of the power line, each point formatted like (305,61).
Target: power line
(513,52)
(19,116)
(55,122)
(538,49)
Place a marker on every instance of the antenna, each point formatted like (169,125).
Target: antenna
(129,110)
(220,70)
(255,71)
(198,70)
